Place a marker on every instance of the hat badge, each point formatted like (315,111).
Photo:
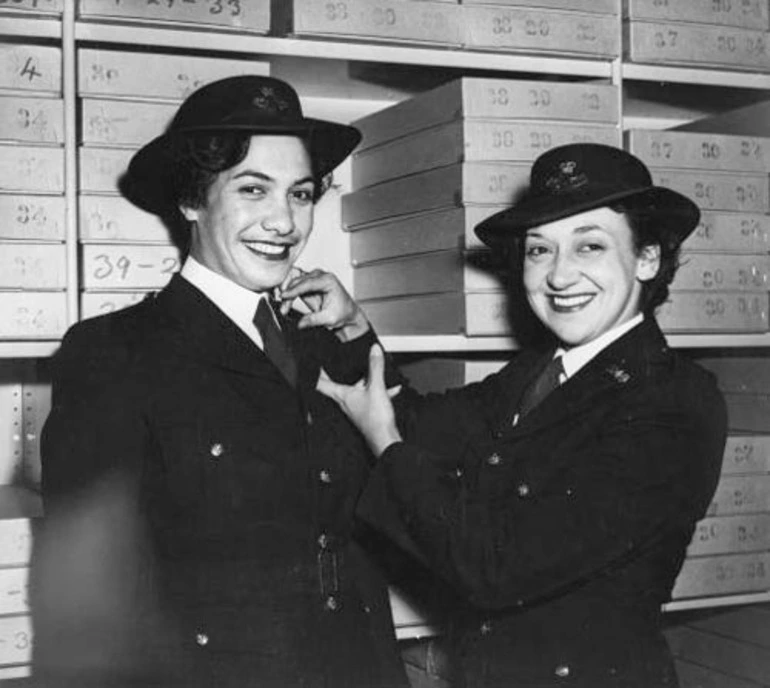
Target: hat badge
(267,99)
(566,177)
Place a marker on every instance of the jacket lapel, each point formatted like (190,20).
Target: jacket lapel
(622,365)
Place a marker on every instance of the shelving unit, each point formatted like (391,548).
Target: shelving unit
(353,78)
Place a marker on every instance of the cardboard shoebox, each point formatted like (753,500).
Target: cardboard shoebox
(32,217)
(31,68)
(751,14)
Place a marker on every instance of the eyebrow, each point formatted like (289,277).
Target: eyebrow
(267,178)
(581,229)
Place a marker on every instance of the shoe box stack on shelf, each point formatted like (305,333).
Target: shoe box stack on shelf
(585,28)
(429,169)
(126,252)
(32,251)
(716,33)
(724,278)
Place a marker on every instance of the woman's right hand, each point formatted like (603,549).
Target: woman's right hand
(367,403)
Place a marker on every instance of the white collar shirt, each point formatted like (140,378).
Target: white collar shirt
(236,302)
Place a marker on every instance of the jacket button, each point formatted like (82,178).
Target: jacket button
(331,603)
(217,450)
(201,639)
(562,671)
(325,476)
(309,418)
(485,628)
(494,460)
(323,541)
(522,489)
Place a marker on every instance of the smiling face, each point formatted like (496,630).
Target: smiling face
(258,215)
(583,275)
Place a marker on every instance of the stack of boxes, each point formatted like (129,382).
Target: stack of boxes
(127,252)
(587,28)
(32,251)
(713,33)
(240,15)
(722,284)
(432,167)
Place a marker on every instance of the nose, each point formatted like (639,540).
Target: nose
(563,272)
(280,218)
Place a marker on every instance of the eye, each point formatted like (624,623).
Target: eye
(302,196)
(534,251)
(255,190)
(589,247)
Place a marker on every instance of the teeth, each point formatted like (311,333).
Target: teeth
(572,301)
(265,247)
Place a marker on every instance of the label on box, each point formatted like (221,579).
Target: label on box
(424,22)
(15,639)
(752,14)
(696,44)
(714,311)
(113,218)
(93,303)
(722,272)
(722,575)
(123,122)
(32,266)
(32,120)
(15,540)
(33,6)
(245,15)
(31,168)
(32,217)
(727,534)
(540,31)
(100,169)
(685,149)
(30,68)
(741,494)
(746,454)
(135,267)
(718,191)
(13,590)
(32,315)
(730,232)
(174,77)
(596,6)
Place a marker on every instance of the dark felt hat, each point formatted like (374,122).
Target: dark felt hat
(249,103)
(578,177)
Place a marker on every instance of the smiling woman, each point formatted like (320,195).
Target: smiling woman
(558,496)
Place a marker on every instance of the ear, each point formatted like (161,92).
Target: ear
(189,214)
(648,263)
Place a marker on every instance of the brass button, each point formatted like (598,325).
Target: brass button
(562,671)
(201,639)
(331,603)
(325,476)
(494,460)
(217,450)
(323,541)
(522,489)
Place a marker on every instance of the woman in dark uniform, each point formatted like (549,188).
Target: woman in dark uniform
(558,496)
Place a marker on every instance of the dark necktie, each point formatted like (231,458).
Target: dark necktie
(546,382)
(275,345)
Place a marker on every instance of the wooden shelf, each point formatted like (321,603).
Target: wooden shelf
(30,27)
(27,349)
(724,601)
(700,76)
(227,41)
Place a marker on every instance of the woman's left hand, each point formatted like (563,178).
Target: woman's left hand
(367,403)
(329,304)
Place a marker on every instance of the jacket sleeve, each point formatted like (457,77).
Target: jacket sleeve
(502,537)
(90,551)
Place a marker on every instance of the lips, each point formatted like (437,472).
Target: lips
(571,303)
(269,250)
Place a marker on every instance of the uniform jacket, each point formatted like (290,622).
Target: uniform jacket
(562,532)
(229,511)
